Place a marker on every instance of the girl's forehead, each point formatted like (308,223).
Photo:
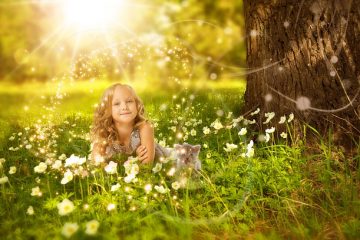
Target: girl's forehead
(122,92)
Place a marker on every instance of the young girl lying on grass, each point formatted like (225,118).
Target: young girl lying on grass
(120,127)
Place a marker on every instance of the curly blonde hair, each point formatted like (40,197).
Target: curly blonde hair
(103,131)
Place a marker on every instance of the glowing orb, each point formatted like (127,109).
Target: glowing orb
(91,14)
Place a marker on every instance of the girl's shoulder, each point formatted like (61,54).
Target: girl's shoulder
(146,128)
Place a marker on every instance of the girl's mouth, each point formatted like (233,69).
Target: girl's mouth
(125,113)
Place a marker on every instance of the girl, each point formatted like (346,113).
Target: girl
(120,127)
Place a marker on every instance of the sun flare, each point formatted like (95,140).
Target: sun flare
(92,14)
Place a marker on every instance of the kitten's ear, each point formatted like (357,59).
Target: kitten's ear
(196,148)
(177,146)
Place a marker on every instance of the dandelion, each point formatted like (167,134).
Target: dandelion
(205,145)
(208,155)
(36,191)
(41,168)
(206,130)
(111,168)
(65,207)
(175,185)
(157,167)
(270,130)
(283,135)
(115,187)
(193,132)
(269,116)
(148,188)
(69,229)
(30,210)
(68,176)
(161,189)
(111,207)
(242,131)
(12,170)
(282,119)
(291,117)
(230,147)
(4,180)
(92,227)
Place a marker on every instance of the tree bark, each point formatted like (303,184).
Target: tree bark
(304,58)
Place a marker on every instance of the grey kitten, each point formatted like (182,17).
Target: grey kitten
(186,155)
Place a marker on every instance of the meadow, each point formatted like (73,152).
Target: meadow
(252,185)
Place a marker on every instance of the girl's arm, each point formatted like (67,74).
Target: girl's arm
(147,141)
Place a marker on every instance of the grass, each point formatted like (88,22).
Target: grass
(284,191)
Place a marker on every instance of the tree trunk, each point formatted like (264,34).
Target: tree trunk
(304,57)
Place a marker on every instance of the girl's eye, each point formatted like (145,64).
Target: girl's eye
(129,101)
(116,103)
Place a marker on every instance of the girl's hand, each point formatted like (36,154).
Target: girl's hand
(141,152)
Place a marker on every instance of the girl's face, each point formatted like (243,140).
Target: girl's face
(124,107)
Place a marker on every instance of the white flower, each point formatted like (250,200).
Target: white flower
(282,119)
(115,187)
(171,172)
(283,135)
(111,206)
(40,168)
(130,178)
(28,146)
(99,159)
(193,132)
(161,189)
(57,164)
(74,160)
(36,192)
(250,150)
(148,188)
(4,179)
(269,115)
(68,176)
(217,124)
(291,117)
(62,157)
(2,160)
(65,207)
(111,168)
(205,145)
(255,112)
(30,210)
(242,131)
(230,147)
(206,130)
(270,130)
(157,167)
(175,185)
(92,227)
(69,229)
(267,137)
(12,170)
